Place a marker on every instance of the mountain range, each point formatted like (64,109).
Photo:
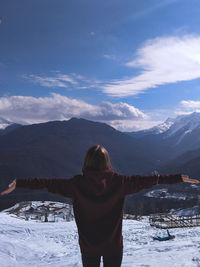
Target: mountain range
(57,149)
(175,144)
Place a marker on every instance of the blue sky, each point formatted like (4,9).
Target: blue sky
(128,63)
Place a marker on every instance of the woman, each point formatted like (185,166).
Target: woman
(98,197)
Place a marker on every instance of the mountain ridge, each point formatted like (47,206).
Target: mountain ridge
(57,149)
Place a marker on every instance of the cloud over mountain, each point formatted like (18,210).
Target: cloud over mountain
(162,61)
(28,109)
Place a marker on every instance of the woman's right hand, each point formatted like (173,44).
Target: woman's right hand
(186,179)
(11,187)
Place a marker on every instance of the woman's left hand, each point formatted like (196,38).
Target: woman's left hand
(186,179)
(11,187)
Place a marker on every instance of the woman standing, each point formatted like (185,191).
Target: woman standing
(98,197)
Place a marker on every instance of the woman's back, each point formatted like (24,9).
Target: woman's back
(98,207)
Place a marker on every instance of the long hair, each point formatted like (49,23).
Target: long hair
(96,159)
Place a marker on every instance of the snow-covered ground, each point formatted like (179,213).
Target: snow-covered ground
(163,193)
(28,243)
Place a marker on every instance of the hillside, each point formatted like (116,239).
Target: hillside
(187,162)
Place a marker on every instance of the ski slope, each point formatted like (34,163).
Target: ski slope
(28,243)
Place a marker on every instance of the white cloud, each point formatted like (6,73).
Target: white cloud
(133,125)
(109,111)
(28,109)
(112,57)
(190,104)
(67,78)
(162,61)
(47,81)
(187,106)
(58,79)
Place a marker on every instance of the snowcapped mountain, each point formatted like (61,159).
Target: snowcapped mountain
(172,125)
(186,123)
(174,144)
(182,131)
(162,127)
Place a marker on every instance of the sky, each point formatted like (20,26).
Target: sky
(128,63)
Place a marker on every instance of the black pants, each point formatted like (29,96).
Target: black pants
(108,261)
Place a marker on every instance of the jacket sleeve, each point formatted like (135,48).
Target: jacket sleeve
(60,186)
(135,183)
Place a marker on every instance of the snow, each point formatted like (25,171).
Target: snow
(24,243)
(163,193)
(42,210)
(185,212)
(189,122)
(163,127)
(172,125)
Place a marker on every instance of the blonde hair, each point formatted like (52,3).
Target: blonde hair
(96,159)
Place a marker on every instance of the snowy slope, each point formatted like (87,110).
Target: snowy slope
(156,130)
(187,122)
(184,123)
(172,125)
(38,244)
(162,127)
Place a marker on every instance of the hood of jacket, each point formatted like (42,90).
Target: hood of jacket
(98,182)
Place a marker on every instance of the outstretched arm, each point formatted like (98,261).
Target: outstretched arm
(54,185)
(135,183)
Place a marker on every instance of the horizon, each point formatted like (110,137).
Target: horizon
(131,65)
(4,125)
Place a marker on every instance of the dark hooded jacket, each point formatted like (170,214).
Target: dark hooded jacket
(98,198)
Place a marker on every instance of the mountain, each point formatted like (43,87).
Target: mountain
(156,130)
(4,123)
(172,125)
(9,128)
(66,143)
(57,149)
(185,123)
(187,163)
(172,138)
